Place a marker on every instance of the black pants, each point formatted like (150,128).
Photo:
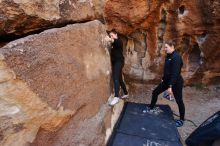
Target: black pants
(117,77)
(177,92)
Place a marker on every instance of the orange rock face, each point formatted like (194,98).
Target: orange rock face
(20,17)
(194,25)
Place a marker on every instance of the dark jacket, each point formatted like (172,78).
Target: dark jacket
(172,68)
(117,50)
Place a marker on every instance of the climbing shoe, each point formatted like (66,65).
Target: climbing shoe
(114,101)
(179,123)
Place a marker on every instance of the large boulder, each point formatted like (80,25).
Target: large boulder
(194,25)
(20,17)
(59,76)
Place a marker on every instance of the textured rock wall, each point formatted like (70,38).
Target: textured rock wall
(61,75)
(20,17)
(194,25)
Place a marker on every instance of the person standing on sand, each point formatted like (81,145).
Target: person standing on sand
(172,81)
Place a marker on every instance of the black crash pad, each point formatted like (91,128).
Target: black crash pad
(136,128)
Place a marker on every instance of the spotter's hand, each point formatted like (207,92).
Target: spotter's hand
(170,91)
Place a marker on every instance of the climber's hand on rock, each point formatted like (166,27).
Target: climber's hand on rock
(108,39)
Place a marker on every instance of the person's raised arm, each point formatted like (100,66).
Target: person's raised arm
(109,39)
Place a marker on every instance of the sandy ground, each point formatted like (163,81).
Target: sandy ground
(200,103)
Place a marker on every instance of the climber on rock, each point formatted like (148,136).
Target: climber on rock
(117,60)
(172,81)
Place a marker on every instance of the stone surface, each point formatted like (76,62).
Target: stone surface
(58,76)
(194,25)
(20,17)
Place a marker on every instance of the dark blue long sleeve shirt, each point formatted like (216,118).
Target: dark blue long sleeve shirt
(172,68)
